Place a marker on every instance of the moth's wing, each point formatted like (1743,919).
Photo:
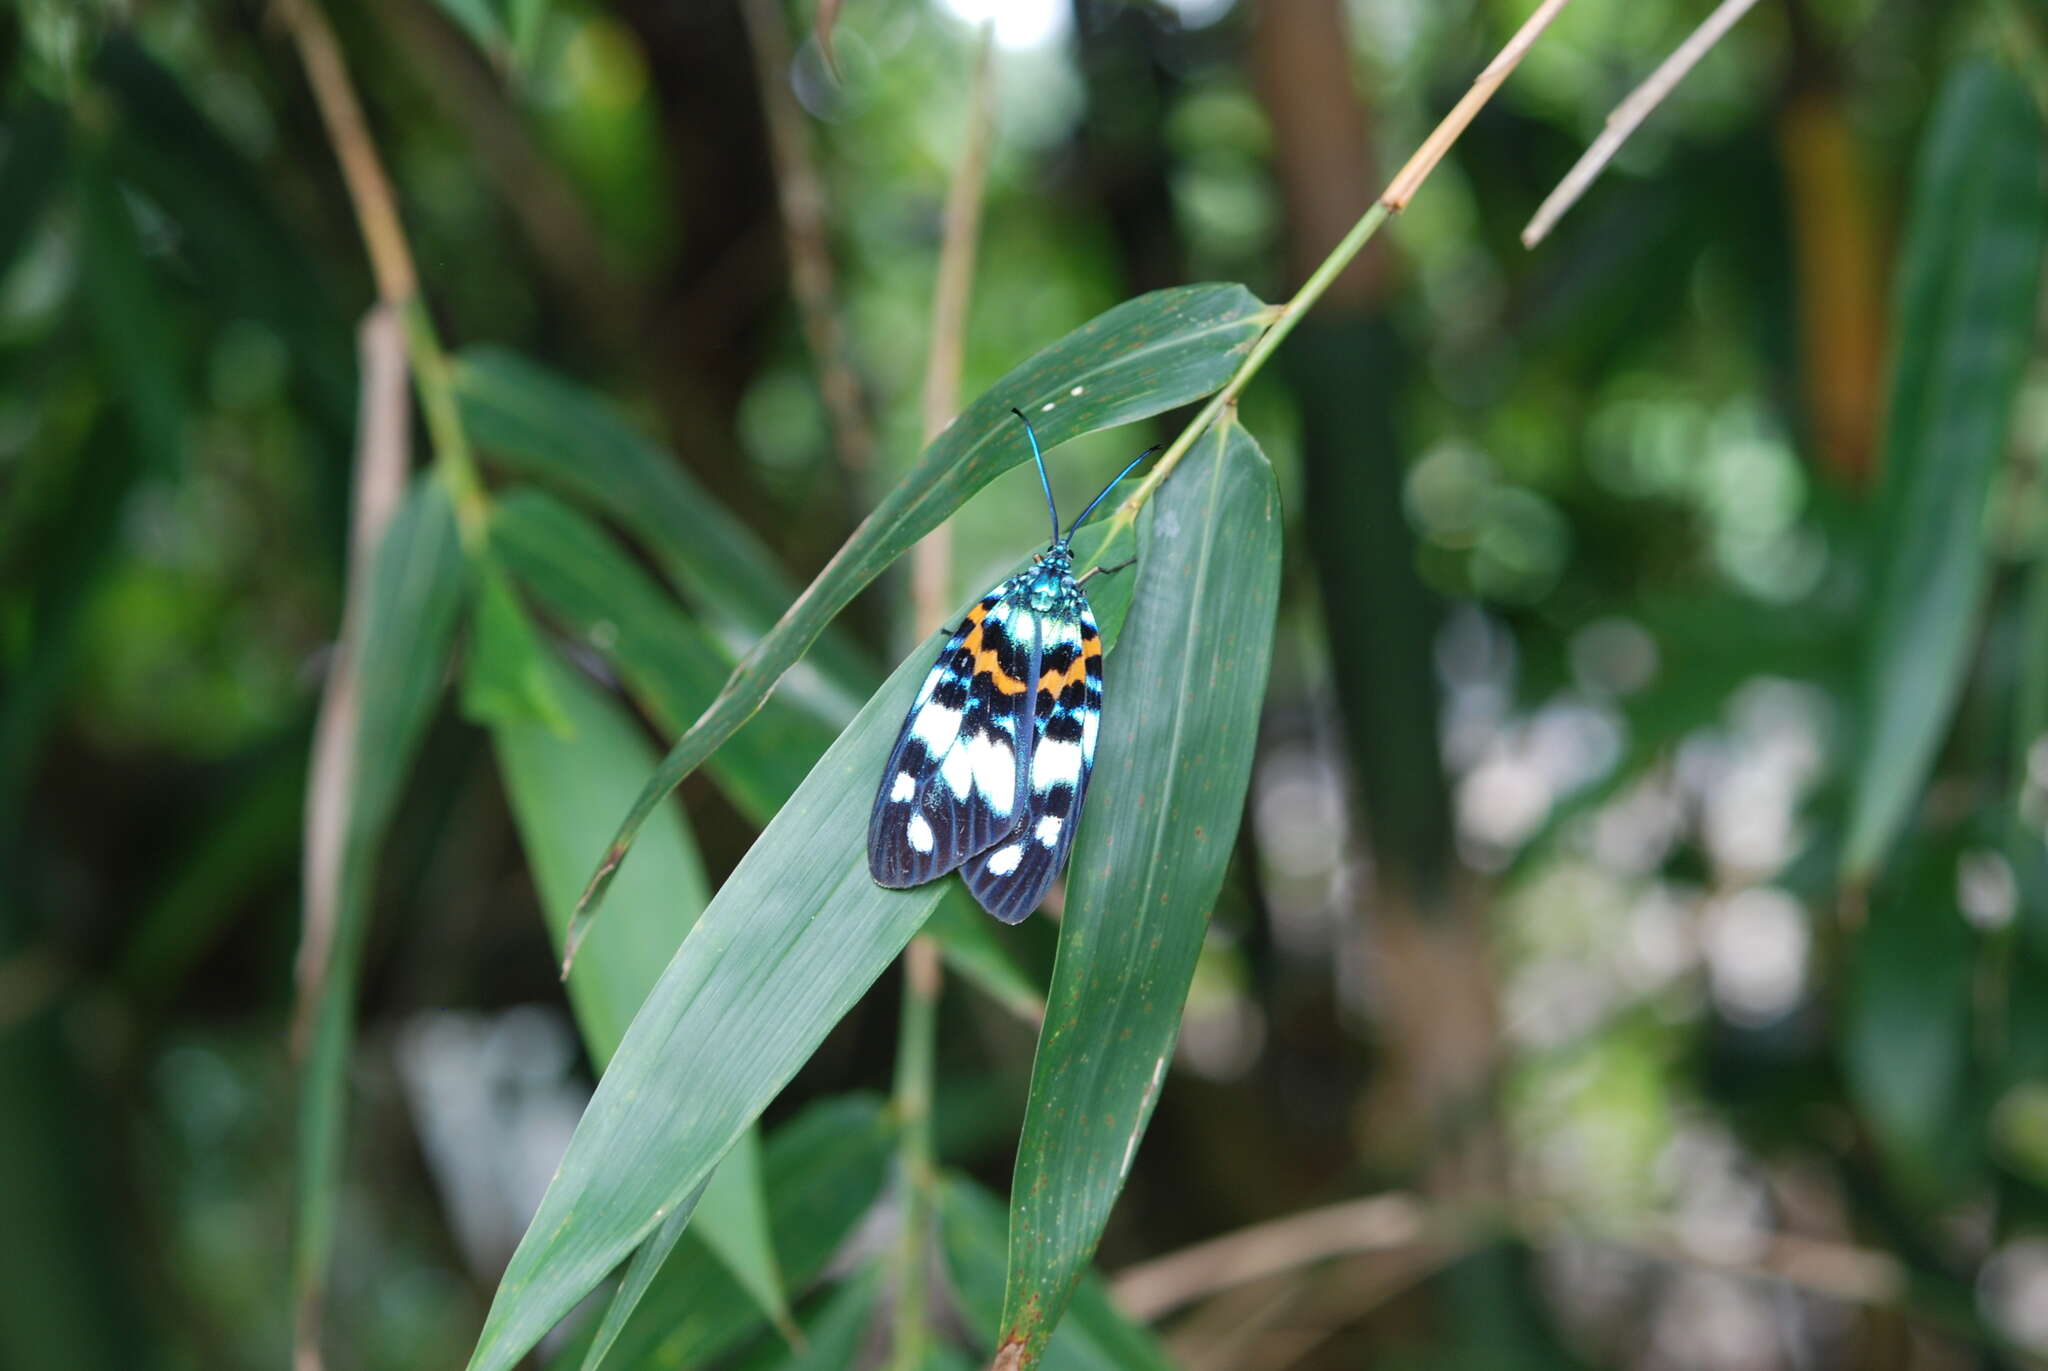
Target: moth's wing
(1011,879)
(955,781)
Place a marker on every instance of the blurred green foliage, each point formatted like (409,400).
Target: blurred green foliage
(1634,591)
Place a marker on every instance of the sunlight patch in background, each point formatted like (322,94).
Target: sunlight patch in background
(1019,23)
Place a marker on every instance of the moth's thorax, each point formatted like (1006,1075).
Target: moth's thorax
(1052,581)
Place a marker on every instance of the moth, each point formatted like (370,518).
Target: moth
(992,765)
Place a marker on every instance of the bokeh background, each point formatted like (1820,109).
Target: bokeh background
(1536,913)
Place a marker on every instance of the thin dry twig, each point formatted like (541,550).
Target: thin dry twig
(1629,115)
(368,186)
(1411,176)
(383,456)
(821,27)
(801,192)
(1399,1220)
(930,563)
(1392,201)
(1154,1288)
(1295,1317)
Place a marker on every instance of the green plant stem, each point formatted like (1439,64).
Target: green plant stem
(916,1045)
(454,462)
(1289,315)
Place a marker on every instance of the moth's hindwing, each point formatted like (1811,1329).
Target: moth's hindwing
(1011,878)
(956,780)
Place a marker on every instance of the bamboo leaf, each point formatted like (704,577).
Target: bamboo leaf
(560,787)
(584,580)
(833,1336)
(790,941)
(1095,1337)
(1965,325)
(30,172)
(482,22)
(673,669)
(507,679)
(646,1264)
(975,946)
(1906,1038)
(734,1215)
(416,589)
(545,426)
(128,318)
(563,783)
(1144,356)
(1180,720)
(823,1170)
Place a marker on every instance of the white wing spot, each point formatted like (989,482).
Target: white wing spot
(995,771)
(920,833)
(1049,830)
(958,769)
(1055,763)
(1046,408)
(905,787)
(1006,859)
(1077,390)
(936,727)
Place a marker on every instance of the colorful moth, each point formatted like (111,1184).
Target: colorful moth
(990,770)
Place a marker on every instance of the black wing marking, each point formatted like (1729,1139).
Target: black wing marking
(1011,878)
(956,779)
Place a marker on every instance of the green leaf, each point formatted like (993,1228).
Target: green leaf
(582,578)
(1094,1336)
(646,1264)
(525,19)
(416,588)
(507,679)
(561,787)
(482,22)
(563,783)
(1906,1041)
(974,945)
(1348,372)
(1144,356)
(735,1225)
(824,1170)
(1965,326)
(674,669)
(29,174)
(1180,720)
(128,318)
(245,261)
(834,1335)
(790,941)
(235,850)
(527,418)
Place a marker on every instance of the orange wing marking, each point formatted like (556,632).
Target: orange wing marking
(1054,682)
(985,663)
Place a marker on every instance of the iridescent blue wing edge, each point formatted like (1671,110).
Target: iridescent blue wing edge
(956,778)
(1011,878)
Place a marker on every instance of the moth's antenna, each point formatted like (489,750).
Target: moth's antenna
(1043,479)
(1112,486)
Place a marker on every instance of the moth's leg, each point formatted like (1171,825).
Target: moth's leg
(1107,570)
